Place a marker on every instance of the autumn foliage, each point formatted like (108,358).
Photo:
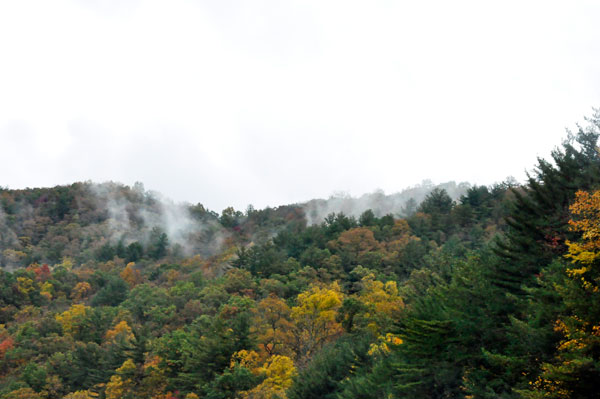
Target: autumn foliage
(493,292)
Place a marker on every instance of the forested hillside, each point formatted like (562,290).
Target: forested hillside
(110,291)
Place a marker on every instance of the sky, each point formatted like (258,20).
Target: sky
(270,102)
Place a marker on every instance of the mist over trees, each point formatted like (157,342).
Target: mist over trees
(401,204)
(448,291)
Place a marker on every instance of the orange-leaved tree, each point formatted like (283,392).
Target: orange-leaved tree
(273,327)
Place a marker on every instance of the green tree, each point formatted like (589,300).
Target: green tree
(158,244)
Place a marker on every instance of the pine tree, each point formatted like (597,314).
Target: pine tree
(540,212)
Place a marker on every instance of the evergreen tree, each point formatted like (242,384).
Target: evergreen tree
(538,219)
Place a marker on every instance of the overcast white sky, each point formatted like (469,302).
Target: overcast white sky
(231,102)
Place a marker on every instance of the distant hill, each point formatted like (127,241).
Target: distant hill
(88,221)
(85,220)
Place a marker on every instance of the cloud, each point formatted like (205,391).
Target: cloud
(381,204)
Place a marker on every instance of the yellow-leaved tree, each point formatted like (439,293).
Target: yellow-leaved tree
(81,291)
(71,319)
(46,290)
(575,371)
(121,329)
(81,395)
(586,212)
(23,393)
(25,285)
(122,385)
(279,372)
(382,302)
(154,381)
(314,319)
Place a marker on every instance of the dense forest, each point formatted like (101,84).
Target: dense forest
(110,291)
